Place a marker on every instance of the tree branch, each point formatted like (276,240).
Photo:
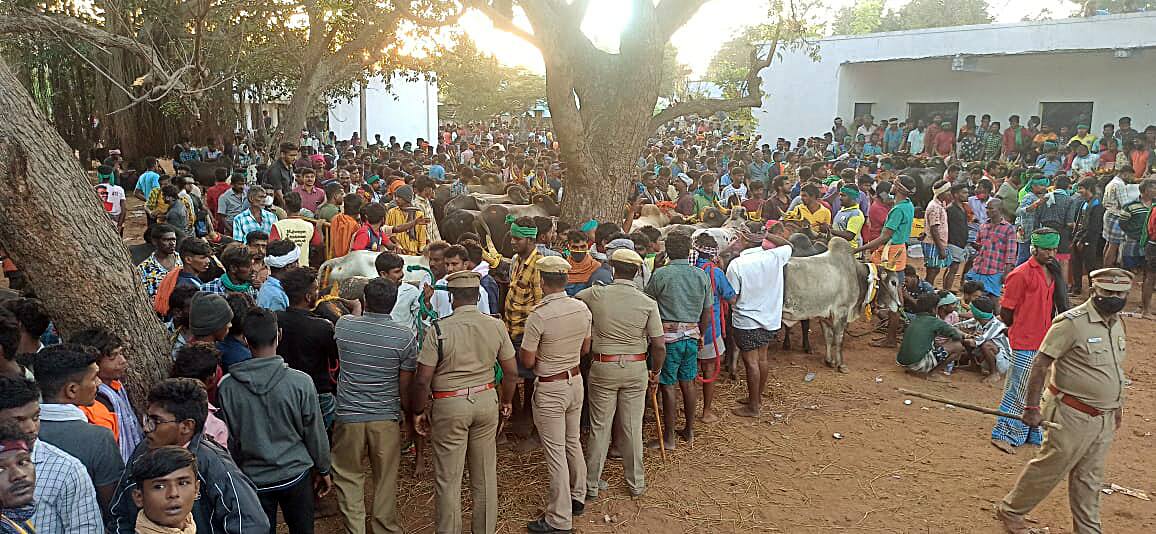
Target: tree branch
(673,14)
(503,22)
(27,22)
(407,13)
(753,98)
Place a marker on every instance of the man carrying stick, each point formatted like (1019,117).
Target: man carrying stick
(1028,305)
(1084,349)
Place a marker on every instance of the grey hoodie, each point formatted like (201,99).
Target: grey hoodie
(276,432)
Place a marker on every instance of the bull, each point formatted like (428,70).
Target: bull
(460,221)
(363,263)
(835,289)
(494,216)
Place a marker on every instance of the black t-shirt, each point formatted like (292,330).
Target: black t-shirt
(307,345)
(956,225)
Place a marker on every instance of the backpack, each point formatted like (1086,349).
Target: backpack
(1134,223)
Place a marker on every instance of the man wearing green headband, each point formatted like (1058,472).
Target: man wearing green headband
(1029,303)
(990,336)
(848,223)
(523,296)
(1032,197)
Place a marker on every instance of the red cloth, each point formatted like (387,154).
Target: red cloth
(876,216)
(362,239)
(1028,293)
(1152,227)
(944,143)
(213,195)
(1009,140)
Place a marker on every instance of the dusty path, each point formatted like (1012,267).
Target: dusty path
(897,468)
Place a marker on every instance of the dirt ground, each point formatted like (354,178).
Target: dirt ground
(898,468)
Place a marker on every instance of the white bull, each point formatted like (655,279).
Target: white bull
(362,263)
(834,288)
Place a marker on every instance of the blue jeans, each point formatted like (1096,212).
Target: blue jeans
(328,408)
(1024,252)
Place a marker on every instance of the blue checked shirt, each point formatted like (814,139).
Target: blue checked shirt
(65,496)
(244,223)
(215,286)
(1025,219)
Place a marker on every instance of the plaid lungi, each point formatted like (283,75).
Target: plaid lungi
(1015,390)
(1113,233)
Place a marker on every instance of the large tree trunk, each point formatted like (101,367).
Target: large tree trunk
(54,228)
(601,139)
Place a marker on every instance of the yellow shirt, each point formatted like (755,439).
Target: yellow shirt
(815,219)
(414,241)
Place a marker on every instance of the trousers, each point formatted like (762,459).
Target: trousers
(557,414)
(353,443)
(465,429)
(296,503)
(1078,451)
(616,387)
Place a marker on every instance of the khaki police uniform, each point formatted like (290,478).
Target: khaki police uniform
(624,320)
(555,330)
(464,414)
(1084,395)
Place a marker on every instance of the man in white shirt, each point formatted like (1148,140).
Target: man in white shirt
(737,187)
(916,137)
(406,309)
(456,257)
(867,129)
(757,276)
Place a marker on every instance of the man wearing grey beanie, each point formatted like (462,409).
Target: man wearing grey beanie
(209,317)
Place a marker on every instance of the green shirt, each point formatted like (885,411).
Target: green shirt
(919,337)
(327,212)
(899,221)
(681,291)
(702,202)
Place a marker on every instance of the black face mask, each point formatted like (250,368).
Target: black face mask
(1108,305)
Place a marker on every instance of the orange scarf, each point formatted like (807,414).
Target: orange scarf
(164,290)
(340,237)
(580,272)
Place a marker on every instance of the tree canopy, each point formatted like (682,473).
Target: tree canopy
(870,16)
(478,86)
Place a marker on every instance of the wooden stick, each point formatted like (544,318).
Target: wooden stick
(974,408)
(658,420)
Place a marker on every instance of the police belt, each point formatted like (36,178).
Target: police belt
(575,371)
(1078,404)
(464,392)
(605,358)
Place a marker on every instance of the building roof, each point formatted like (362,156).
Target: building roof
(1104,32)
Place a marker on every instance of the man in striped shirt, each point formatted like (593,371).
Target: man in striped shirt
(378,357)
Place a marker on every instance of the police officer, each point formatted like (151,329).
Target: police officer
(625,323)
(456,368)
(1086,396)
(557,335)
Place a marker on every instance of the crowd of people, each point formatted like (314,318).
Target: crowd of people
(282,390)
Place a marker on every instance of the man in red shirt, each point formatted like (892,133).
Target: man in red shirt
(944,140)
(213,194)
(370,236)
(1028,306)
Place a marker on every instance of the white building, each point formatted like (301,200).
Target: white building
(407,109)
(1093,70)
